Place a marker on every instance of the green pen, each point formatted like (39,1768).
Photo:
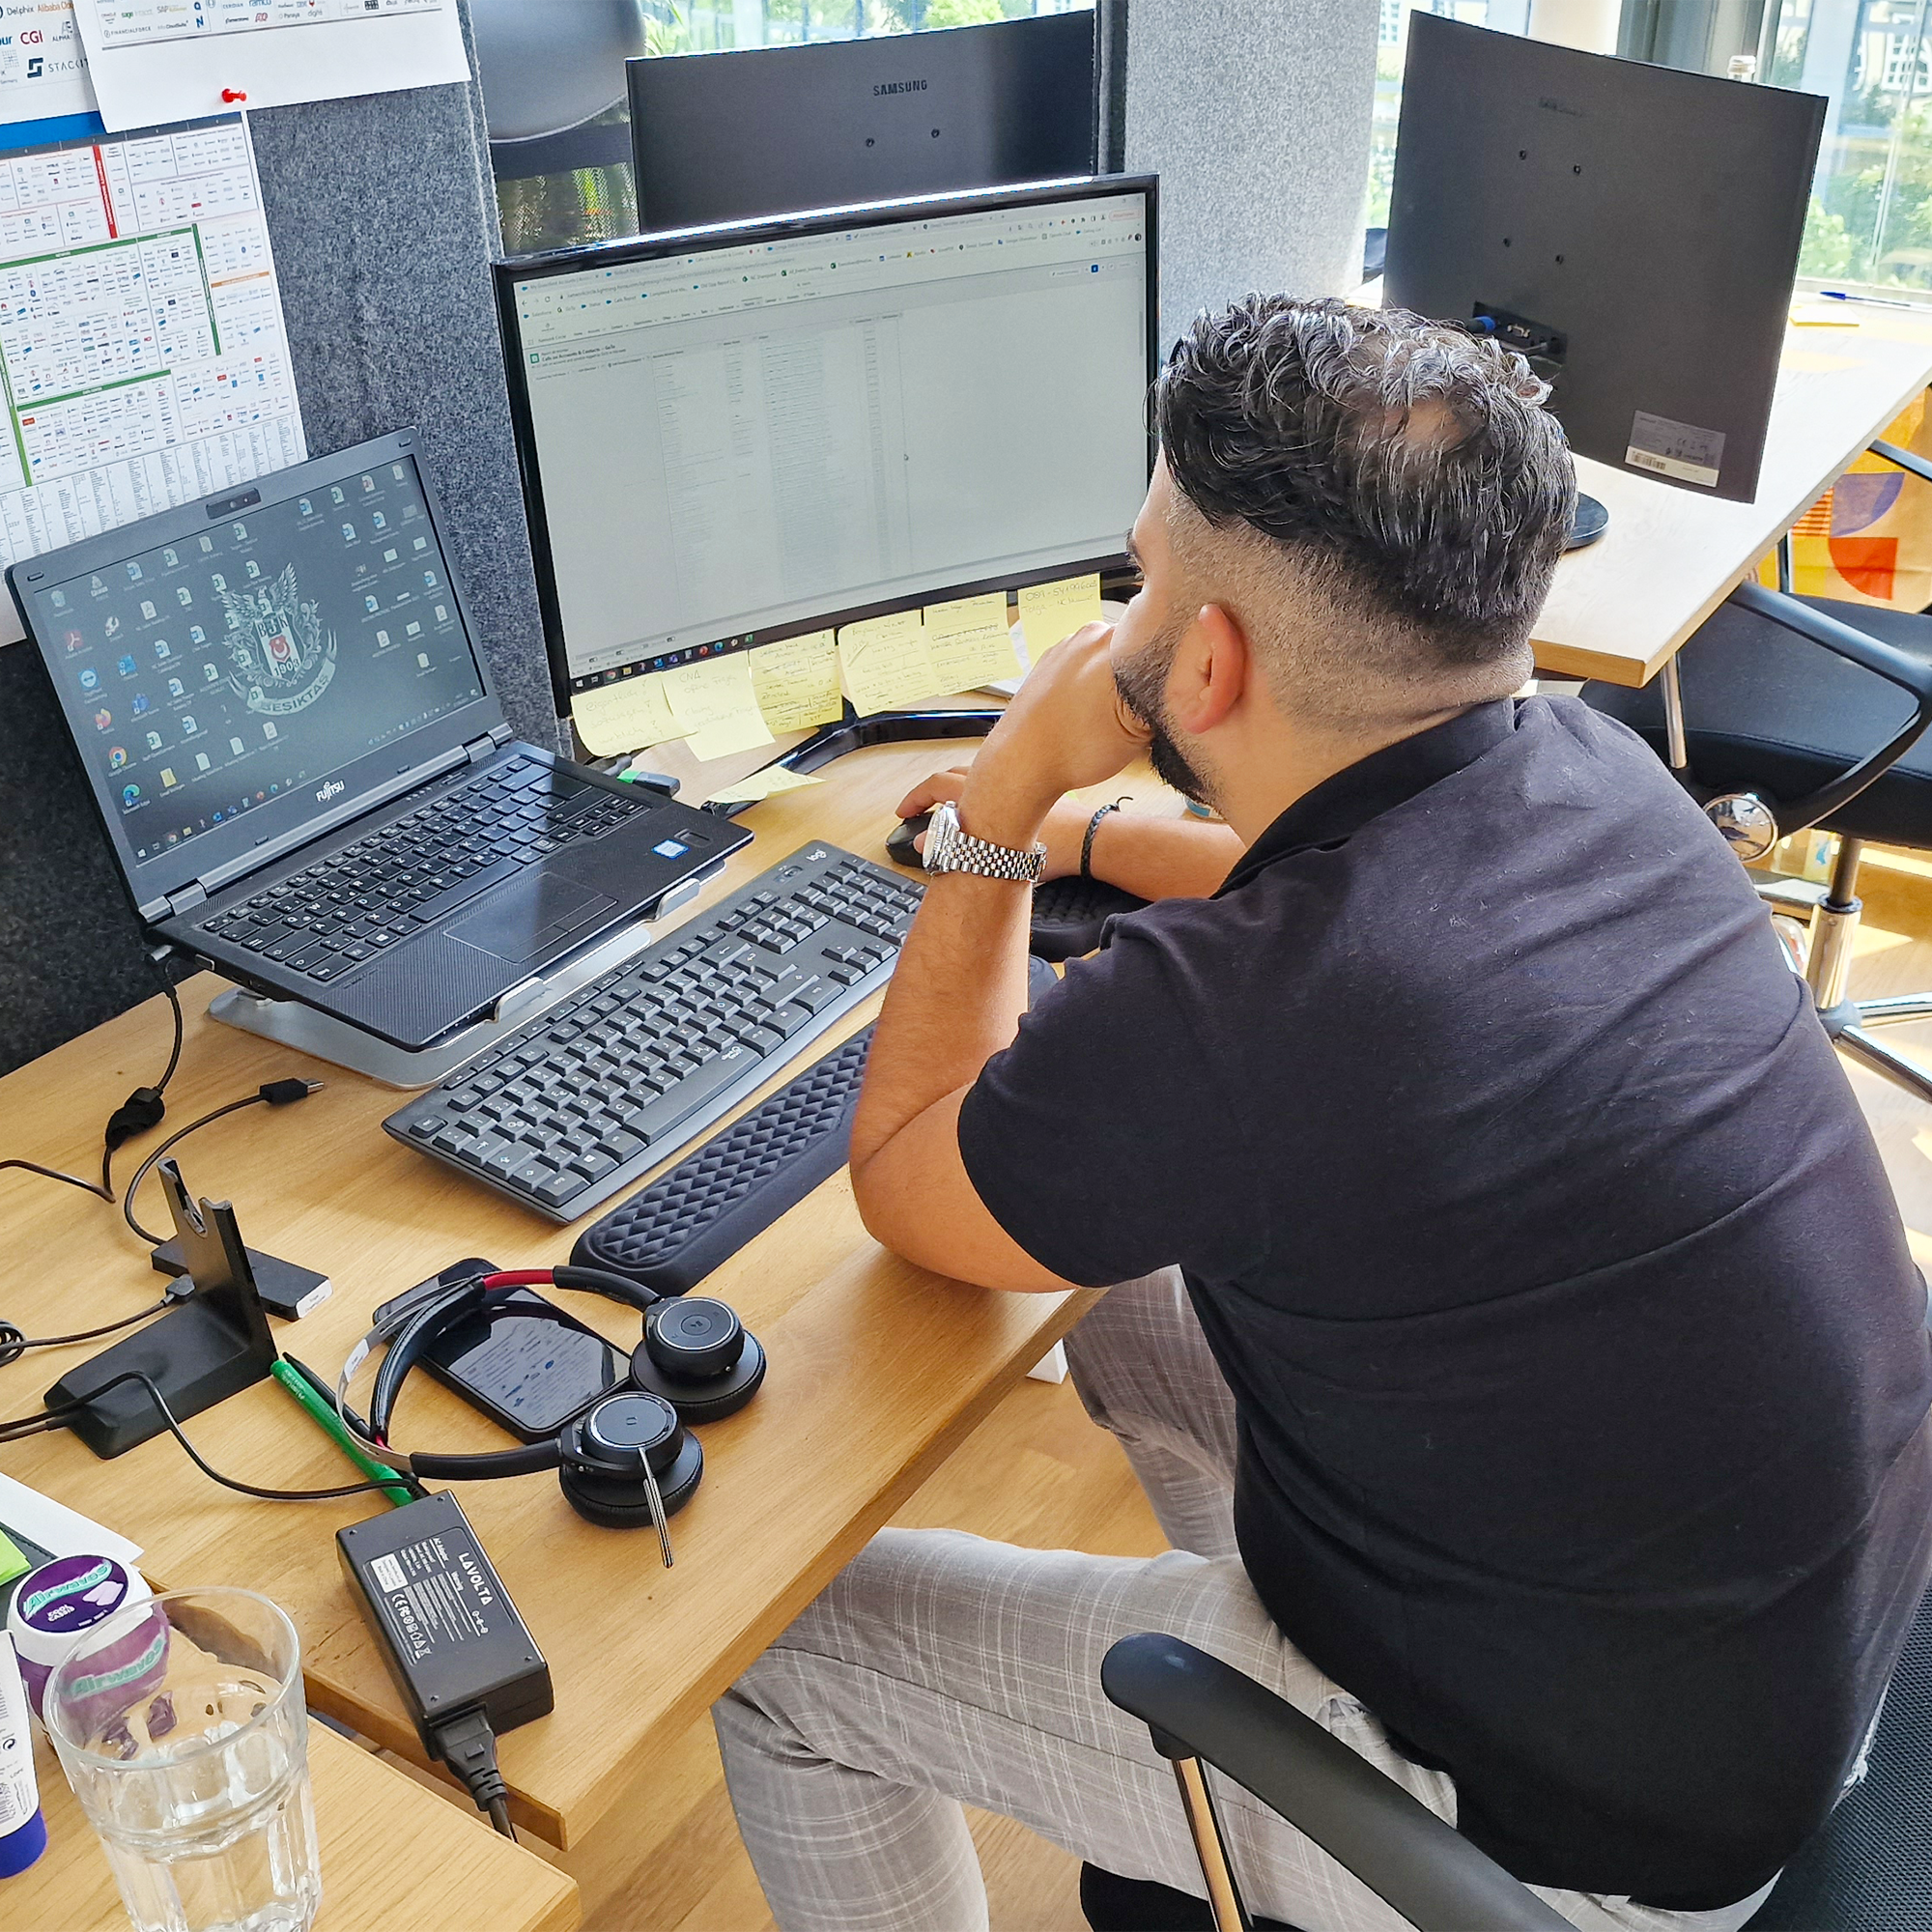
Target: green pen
(329,1423)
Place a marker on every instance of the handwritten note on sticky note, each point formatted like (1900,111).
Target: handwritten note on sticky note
(1051,612)
(767,784)
(886,661)
(716,706)
(797,682)
(968,642)
(628,715)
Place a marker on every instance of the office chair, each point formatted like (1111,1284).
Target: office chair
(1866,1870)
(1783,713)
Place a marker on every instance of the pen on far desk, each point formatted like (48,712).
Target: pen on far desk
(302,1382)
(1872,301)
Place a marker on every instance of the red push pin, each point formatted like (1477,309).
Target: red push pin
(230,95)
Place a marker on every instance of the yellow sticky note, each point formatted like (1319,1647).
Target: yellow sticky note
(1051,612)
(628,715)
(797,682)
(968,642)
(886,661)
(729,735)
(716,707)
(767,784)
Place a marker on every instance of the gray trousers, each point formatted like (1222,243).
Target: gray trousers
(939,1670)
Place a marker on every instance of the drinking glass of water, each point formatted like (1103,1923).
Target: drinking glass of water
(182,1727)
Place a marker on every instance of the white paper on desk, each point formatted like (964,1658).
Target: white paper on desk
(56,1528)
(141,333)
(43,65)
(170,59)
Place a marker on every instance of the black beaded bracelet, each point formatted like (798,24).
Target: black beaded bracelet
(1087,843)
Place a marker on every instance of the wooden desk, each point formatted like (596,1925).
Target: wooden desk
(877,1371)
(1619,609)
(389,1852)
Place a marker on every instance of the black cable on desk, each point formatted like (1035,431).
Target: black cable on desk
(56,1418)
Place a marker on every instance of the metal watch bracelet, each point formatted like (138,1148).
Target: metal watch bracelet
(950,848)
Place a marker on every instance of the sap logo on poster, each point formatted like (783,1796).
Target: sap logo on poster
(332,790)
(900,87)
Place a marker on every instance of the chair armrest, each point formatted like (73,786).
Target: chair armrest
(1195,1706)
(1903,459)
(1913,675)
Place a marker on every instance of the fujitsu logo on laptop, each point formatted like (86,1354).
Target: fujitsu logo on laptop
(333,788)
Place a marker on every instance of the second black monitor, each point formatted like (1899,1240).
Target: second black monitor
(777,130)
(1633,229)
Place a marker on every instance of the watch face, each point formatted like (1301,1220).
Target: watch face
(940,833)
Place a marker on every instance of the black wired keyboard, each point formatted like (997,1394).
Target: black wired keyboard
(341,910)
(574,1106)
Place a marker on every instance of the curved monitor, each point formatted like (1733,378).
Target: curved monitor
(735,434)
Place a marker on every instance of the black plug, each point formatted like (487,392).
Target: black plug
(279,1092)
(468,1745)
(141,1110)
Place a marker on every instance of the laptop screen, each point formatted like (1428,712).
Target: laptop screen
(258,654)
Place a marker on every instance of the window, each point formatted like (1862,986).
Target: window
(1870,218)
(578,187)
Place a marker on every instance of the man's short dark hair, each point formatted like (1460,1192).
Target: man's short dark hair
(1405,467)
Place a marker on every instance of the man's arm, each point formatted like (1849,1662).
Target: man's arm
(959,987)
(1154,858)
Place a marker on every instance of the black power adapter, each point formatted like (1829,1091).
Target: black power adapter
(463,1659)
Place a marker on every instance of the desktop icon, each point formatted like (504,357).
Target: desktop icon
(348,533)
(171,558)
(125,666)
(113,625)
(141,705)
(103,720)
(60,600)
(133,573)
(90,679)
(176,688)
(73,641)
(148,610)
(117,757)
(131,795)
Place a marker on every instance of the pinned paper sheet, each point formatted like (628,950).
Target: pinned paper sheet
(716,706)
(797,682)
(1051,612)
(886,661)
(968,642)
(158,60)
(631,715)
(767,784)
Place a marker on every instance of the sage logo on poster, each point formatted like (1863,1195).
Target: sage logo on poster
(283,657)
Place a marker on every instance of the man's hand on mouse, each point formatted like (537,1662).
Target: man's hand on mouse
(1065,729)
(1063,834)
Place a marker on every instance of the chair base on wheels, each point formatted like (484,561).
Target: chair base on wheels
(1819,955)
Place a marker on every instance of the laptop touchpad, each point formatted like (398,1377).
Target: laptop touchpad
(531,914)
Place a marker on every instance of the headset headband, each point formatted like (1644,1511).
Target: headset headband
(409,1331)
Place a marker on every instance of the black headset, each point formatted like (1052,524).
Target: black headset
(629,1460)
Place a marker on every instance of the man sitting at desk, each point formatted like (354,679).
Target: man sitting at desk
(1514,1333)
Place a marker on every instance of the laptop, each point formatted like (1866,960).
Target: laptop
(303,771)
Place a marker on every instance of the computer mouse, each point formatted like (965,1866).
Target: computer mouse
(899,848)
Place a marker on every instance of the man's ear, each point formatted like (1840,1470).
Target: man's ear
(1210,671)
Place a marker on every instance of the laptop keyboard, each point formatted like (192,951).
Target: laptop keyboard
(342,910)
(577,1104)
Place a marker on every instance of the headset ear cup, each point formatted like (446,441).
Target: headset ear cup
(620,1502)
(712,1399)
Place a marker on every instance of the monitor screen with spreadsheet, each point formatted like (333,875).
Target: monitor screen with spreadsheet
(731,436)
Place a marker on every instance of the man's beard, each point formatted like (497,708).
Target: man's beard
(1142,682)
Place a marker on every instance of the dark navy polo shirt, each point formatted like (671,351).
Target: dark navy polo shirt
(1580,1365)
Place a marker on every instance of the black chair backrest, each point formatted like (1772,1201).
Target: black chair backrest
(1870,1868)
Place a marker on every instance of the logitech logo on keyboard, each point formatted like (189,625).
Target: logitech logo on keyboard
(332,790)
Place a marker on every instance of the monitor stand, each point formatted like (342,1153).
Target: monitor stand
(1590,521)
(324,1036)
(853,734)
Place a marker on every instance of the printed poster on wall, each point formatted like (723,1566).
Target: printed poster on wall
(144,361)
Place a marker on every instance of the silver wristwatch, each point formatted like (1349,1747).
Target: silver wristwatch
(949,849)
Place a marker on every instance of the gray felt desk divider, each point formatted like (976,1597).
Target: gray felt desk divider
(384,222)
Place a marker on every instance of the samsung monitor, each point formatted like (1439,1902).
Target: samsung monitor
(773,130)
(749,433)
(1634,230)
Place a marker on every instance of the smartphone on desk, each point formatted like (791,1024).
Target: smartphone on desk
(526,1363)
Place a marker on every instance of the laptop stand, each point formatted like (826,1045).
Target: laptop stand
(322,1037)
